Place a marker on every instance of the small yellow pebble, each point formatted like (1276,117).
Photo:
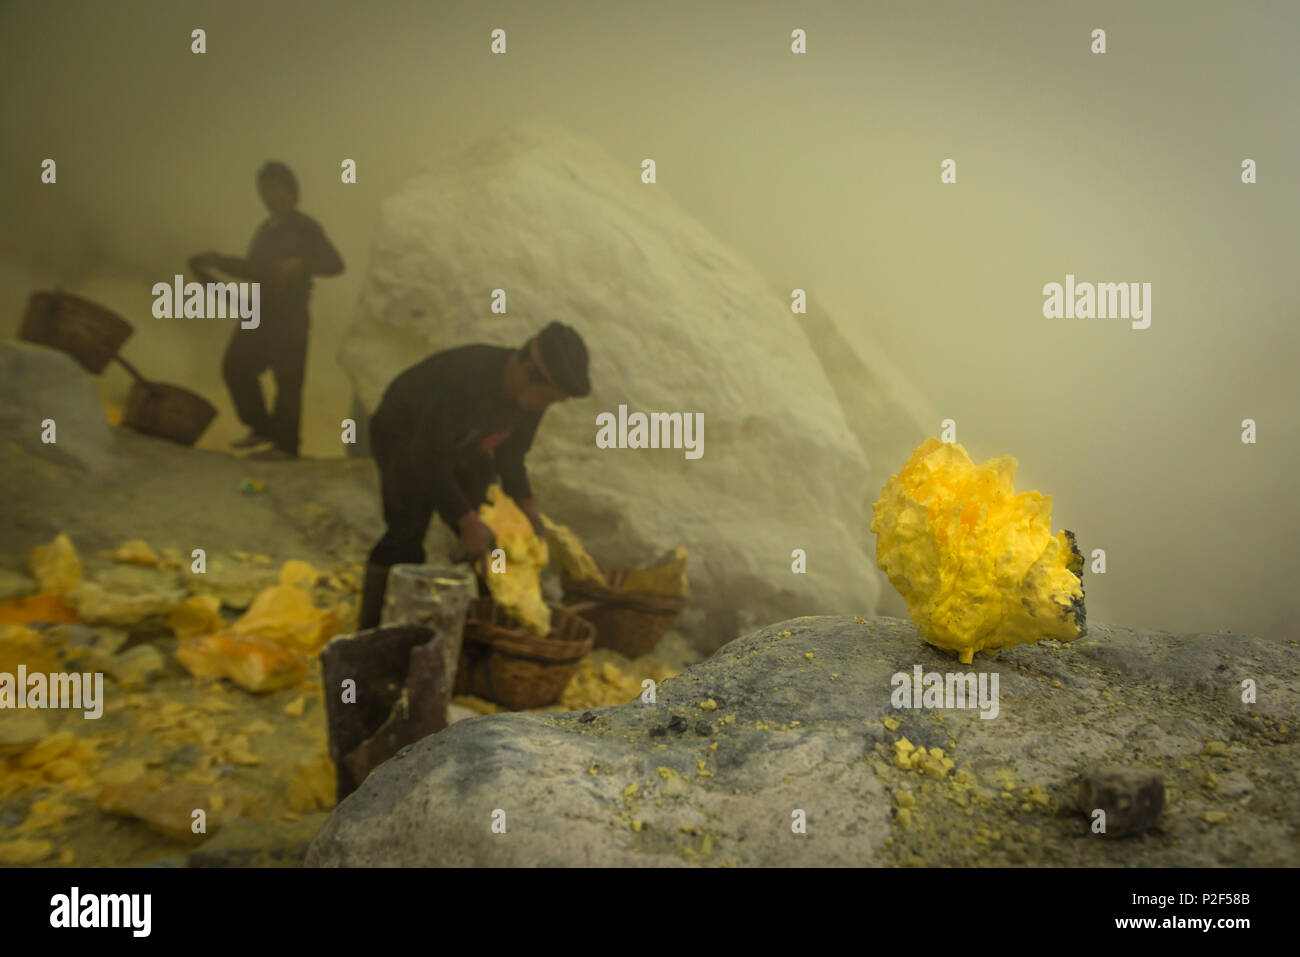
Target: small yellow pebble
(708,704)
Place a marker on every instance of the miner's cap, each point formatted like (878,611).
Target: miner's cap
(565,356)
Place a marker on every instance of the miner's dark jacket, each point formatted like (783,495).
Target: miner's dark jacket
(443,430)
(297,234)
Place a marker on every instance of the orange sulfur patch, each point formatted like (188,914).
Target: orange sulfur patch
(44,606)
(254,664)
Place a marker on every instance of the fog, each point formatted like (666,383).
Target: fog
(823,169)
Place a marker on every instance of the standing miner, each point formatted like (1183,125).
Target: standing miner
(447,427)
(287,250)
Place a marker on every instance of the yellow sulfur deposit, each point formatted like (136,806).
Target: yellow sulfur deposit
(598,684)
(574,559)
(976,562)
(666,578)
(516,587)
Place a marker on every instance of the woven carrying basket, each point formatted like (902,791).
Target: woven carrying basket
(629,622)
(502,661)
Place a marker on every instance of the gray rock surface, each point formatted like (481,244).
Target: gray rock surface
(795,733)
(675,322)
(38,383)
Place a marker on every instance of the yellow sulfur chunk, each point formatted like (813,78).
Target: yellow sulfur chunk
(667,578)
(135,552)
(55,566)
(575,561)
(295,572)
(284,614)
(196,615)
(516,587)
(976,562)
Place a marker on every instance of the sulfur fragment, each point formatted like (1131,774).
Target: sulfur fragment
(135,552)
(300,573)
(574,559)
(666,578)
(517,587)
(196,615)
(976,562)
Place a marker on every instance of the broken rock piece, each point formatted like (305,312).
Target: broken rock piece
(1132,798)
(170,809)
(976,562)
(96,605)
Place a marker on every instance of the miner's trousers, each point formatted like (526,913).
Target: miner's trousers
(409,506)
(279,343)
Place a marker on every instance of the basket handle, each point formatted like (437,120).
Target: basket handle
(135,374)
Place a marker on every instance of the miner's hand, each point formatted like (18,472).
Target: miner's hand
(475,537)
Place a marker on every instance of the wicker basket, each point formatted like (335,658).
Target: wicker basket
(503,662)
(168,412)
(83,329)
(629,622)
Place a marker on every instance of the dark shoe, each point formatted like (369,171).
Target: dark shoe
(252,439)
(272,455)
(372,596)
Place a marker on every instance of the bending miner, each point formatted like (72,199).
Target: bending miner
(447,428)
